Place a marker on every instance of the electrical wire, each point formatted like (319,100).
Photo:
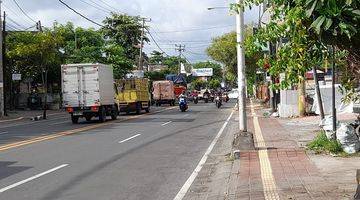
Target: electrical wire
(108,5)
(109,10)
(81,15)
(194,29)
(16,13)
(23,11)
(151,36)
(13,21)
(94,6)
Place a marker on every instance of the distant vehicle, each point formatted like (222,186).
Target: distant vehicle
(233,94)
(218,101)
(133,95)
(163,93)
(88,91)
(183,104)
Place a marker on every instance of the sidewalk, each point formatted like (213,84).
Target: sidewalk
(16,115)
(279,168)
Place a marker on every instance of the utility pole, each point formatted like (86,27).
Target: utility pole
(2,103)
(142,41)
(180,48)
(43,73)
(333,92)
(5,77)
(241,67)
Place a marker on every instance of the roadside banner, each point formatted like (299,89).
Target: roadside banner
(202,72)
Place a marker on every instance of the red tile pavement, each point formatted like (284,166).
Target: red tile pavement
(295,176)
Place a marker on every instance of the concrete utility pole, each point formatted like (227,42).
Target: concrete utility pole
(5,77)
(241,67)
(142,41)
(2,103)
(180,48)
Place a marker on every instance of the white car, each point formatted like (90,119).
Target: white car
(233,94)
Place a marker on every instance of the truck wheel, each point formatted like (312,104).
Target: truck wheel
(75,119)
(88,118)
(147,110)
(138,109)
(114,114)
(102,114)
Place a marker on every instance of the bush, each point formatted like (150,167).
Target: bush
(321,144)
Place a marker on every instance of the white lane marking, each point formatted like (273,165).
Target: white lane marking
(186,115)
(4,132)
(132,137)
(184,189)
(164,124)
(32,178)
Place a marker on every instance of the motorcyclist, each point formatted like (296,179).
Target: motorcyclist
(206,93)
(183,95)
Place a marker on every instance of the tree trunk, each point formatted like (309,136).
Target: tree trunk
(302,103)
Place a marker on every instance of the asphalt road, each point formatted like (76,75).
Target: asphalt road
(136,157)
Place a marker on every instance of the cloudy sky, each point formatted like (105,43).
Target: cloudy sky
(186,22)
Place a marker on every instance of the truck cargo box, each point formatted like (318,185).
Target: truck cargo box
(86,85)
(133,95)
(163,92)
(88,91)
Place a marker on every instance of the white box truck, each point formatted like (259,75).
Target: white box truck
(88,91)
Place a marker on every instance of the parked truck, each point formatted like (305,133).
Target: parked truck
(88,91)
(133,95)
(163,93)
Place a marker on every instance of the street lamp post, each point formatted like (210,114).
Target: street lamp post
(240,28)
(241,68)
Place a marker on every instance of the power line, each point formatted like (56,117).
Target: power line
(16,13)
(94,6)
(23,11)
(108,5)
(156,42)
(101,6)
(195,29)
(13,21)
(83,16)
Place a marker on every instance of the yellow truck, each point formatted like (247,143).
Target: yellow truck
(132,95)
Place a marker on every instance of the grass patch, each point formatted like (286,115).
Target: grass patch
(321,144)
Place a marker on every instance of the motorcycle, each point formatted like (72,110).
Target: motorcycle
(196,99)
(183,104)
(206,98)
(218,102)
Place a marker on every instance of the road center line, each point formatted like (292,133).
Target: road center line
(132,137)
(164,124)
(32,178)
(184,189)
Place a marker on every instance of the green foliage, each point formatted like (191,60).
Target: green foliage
(80,45)
(223,50)
(310,26)
(156,57)
(321,144)
(124,30)
(115,56)
(198,84)
(214,84)
(33,53)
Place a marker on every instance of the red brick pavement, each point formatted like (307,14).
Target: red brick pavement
(296,177)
